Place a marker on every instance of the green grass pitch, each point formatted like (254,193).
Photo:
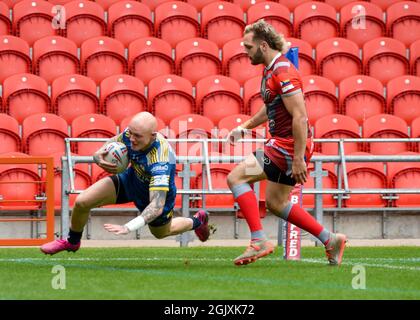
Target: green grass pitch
(208,273)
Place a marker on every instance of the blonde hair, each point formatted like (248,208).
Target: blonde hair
(265,32)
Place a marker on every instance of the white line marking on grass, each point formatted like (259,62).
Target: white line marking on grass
(349,262)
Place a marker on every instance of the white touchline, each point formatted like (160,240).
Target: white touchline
(350,261)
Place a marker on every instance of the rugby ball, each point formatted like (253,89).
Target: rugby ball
(118,154)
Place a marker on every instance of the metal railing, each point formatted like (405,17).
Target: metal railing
(206,159)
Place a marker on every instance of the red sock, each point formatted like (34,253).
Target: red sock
(249,207)
(302,219)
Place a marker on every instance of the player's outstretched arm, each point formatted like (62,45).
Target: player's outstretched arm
(152,211)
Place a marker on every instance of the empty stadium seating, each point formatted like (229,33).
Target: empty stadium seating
(315,21)
(32,20)
(14,57)
(84,20)
(405,175)
(365,175)
(55,56)
(415,58)
(415,133)
(197,58)
(121,96)
(403,21)
(74,95)
(361,97)
(216,91)
(5,23)
(149,58)
(385,126)
(25,94)
(252,95)
(91,126)
(9,134)
(362,21)
(336,126)
(320,97)
(98,52)
(44,134)
(385,59)
(221,22)
(176,21)
(24,193)
(403,97)
(129,20)
(170,96)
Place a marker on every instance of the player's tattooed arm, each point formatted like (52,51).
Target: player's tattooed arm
(155,207)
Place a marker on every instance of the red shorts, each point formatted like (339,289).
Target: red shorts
(277,159)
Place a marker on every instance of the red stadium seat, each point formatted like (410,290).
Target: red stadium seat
(121,96)
(385,126)
(5,22)
(216,91)
(362,21)
(415,133)
(191,126)
(403,97)
(129,20)
(337,59)
(227,124)
(366,175)
(336,126)
(221,22)
(200,4)
(152,4)
(252,95)
(24,193)
(105,4)
(219,173)
(43,134)
(96,53)
(385,59)
(25,94)
(403,21)
(170,96)
(383,4)
(247,4)
(9,134)
(306,62)
(197,58)
(405,175)
(338,4)
(315,21)
(149,58)
(54,57)
(74,95)
(328,182)
(91,126)
(14,57)
(176,21)
(361,97)
(415,58)
(320,97)
(82,179)
(236,62)
(274,13)
(84,20)
(32,20)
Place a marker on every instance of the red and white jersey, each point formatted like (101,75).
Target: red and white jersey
(280,79)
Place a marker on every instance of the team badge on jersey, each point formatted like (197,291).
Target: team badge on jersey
(286,85)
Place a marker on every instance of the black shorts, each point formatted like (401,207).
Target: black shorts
(122,197)
(273,172)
